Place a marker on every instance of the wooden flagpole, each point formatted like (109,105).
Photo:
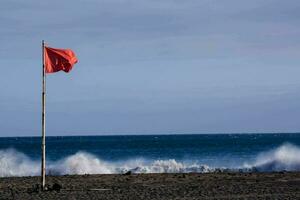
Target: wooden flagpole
(43,166)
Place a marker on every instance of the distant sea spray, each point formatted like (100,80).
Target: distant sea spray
(283,158)
(15,163)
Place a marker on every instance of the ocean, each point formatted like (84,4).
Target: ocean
(20,156)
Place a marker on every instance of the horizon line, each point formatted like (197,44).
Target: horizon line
(156,134)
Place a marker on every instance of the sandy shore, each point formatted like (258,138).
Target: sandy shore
(158,186)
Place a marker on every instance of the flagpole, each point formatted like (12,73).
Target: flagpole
(43,166)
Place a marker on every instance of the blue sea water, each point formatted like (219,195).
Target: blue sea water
(20,156)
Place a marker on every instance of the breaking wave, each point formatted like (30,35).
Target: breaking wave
(14,163)
(283,158)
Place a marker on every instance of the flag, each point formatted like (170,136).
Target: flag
(59,59)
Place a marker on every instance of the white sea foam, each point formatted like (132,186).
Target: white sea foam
(14,163)
(168,166)
(81,163)
(283,158)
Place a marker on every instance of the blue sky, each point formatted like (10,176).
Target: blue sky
(167,66)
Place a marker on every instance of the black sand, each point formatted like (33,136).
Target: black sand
(157,186)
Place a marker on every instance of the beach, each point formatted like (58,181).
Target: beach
(281,185)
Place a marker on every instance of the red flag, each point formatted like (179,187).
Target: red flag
(59,59)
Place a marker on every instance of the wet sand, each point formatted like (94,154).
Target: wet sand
(157,186)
